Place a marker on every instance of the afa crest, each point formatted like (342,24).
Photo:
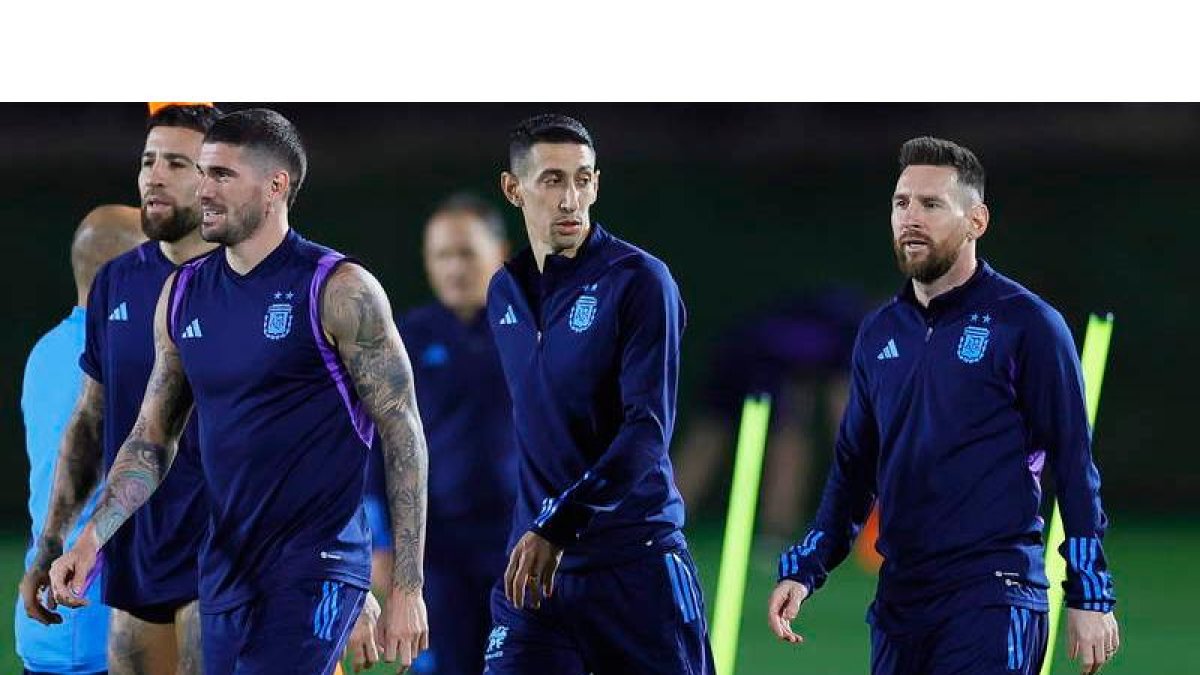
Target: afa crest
(278,321)
(495,644)
(973,344)
(583,313)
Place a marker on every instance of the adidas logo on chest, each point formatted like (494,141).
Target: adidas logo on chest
(192,331)
(889,351)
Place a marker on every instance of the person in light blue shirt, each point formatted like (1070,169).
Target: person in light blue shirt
(75,641)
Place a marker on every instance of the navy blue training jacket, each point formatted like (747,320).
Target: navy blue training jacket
(954,410)
(590,351)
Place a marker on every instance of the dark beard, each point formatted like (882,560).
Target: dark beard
(934,266)
(179,225)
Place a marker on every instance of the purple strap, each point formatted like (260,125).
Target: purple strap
(181,281)
(92,573)
(358,412)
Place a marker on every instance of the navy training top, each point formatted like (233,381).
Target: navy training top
(954,410)
(283,435)
(590,349)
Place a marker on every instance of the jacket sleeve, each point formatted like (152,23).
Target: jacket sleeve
(849,490)
(1051,398)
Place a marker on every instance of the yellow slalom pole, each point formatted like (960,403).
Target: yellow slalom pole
(1093,360)
(739,529)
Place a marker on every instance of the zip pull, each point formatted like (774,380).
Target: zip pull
(928,333)
(539,337)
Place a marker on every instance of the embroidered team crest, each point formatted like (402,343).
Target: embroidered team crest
(973,344)
(278,321)
(583,313)
(495,645)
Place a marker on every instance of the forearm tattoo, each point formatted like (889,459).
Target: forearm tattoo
(139,468)
(358,316)
(145,457)
(76,473)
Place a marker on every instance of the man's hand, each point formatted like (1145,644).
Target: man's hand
(783,607)
(362,648)
(1092,638)
(405,627)
(36,582)
(532,564)
(69,574)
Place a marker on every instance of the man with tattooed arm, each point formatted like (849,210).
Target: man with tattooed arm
(290,356)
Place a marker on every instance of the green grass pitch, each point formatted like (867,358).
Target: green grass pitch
(1152,564)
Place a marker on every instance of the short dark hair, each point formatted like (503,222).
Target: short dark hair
(267,132)
(546,128)
(195,117)
(476,206)
(930,151)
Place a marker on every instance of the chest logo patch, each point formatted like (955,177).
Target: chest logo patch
(583,313)
(973,344)
(278,321)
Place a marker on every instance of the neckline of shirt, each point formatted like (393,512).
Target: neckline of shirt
(268,264)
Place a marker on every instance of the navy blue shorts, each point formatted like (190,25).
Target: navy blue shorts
(644,616)
(997,639)
(302,629)
(162,613)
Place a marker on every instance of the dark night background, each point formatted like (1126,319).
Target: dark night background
(1093,206)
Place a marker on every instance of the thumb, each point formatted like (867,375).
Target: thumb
(791,606)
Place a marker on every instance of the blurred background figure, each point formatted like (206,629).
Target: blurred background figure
(467,417)
(797,350)
(76,639)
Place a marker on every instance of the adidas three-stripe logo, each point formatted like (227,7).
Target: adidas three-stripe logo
(121,313)
(192,330)
(509,318)
(889,351)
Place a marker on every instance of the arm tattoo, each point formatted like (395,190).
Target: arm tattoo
(145,457)
(76,473)
(357,315)
(137,472)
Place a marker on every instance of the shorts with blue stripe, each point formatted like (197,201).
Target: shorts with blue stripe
(299,629)
(645,616)
(995,639)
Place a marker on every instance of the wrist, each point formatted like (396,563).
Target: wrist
(805,581)
(89,540)
(803,585)
(408,590)
(50,545)
(562,525)
(1099,606)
